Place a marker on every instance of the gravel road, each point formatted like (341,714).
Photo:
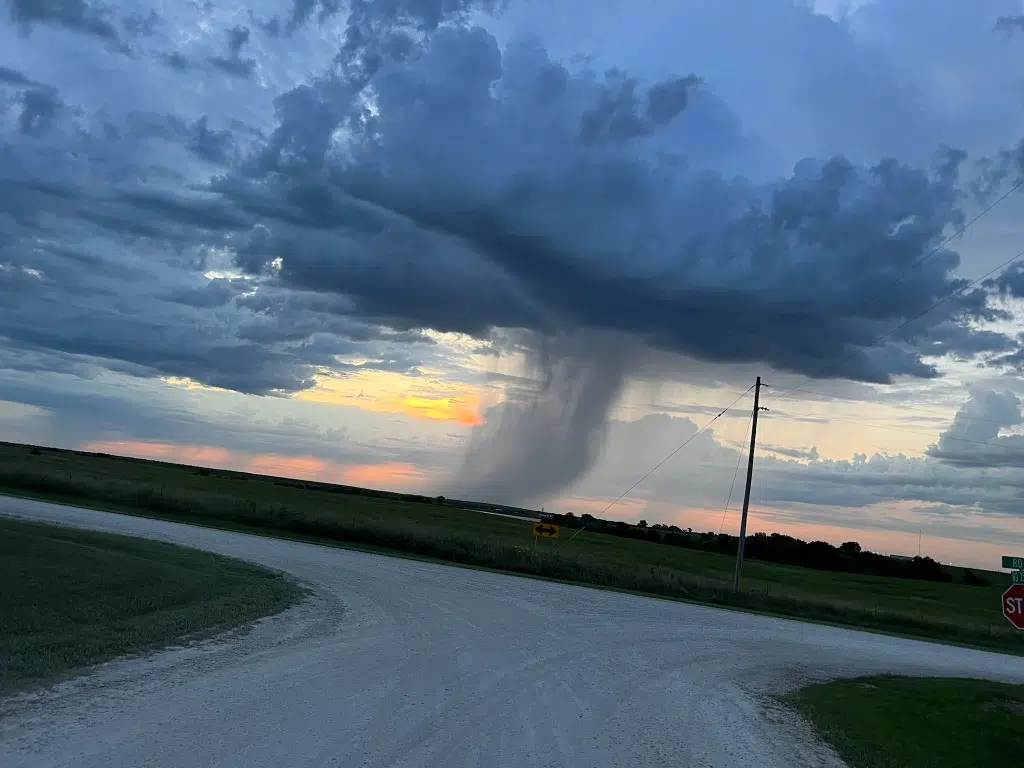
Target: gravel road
(394,663)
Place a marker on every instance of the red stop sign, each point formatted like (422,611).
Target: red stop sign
(1013,605)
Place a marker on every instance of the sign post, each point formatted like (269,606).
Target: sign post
(1013,605)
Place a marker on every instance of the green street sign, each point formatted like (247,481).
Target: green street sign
(1016,563)
(1018,577)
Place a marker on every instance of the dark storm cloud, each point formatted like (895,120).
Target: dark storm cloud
(237,37)
(234,63)
(177,60)
(137,310)
(216,293)
(426,175)
(39,109)
(138,25)
(1012,362)
(1010,282)
(1010,24)
(14,77)
(302,11)
(619,116)
(76,15)
(211,144)
(160,344)
(481,149)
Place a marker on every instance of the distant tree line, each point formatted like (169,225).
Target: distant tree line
(777,548)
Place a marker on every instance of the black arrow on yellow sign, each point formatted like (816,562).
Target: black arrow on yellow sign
(546,530)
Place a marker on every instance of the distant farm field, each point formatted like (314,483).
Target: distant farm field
(388,522)
(72,598)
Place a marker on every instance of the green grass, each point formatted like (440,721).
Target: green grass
(947,612)
(895,722)
(71,599)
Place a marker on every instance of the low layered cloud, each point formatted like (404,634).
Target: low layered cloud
(64,410)
(971,468)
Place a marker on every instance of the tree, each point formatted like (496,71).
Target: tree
(850,548)
(642,524)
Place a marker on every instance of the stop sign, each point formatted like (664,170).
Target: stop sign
(1013,605)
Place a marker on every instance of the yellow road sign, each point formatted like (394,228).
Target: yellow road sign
(546,530)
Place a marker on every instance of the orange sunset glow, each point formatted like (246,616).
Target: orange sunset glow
(419,398)
(393,475)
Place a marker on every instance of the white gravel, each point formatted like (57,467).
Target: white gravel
(400,664)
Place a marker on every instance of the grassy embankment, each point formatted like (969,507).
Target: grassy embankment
(71,599)
(894,722)
(947,612)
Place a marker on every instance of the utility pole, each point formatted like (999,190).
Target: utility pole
(746,492)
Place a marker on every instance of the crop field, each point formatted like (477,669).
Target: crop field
(426,528)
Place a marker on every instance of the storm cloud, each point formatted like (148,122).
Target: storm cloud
(374,171)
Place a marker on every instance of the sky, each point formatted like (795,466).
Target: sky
(523,251)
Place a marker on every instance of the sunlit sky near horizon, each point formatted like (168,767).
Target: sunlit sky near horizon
(515,252)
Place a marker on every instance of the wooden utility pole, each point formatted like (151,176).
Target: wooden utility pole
(746,492)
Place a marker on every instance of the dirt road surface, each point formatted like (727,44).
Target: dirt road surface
(393,663)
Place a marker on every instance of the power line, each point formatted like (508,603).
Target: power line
(918,316)
(949,239)
(735,474)
(922,260)
(899,327)
(659,465)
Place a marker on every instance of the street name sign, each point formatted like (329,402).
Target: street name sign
(1013,563)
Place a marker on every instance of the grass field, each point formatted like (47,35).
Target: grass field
(71,599)
(894,722)
(948,612)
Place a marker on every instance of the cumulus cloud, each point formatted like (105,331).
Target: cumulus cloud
(428,168)
(975,438)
